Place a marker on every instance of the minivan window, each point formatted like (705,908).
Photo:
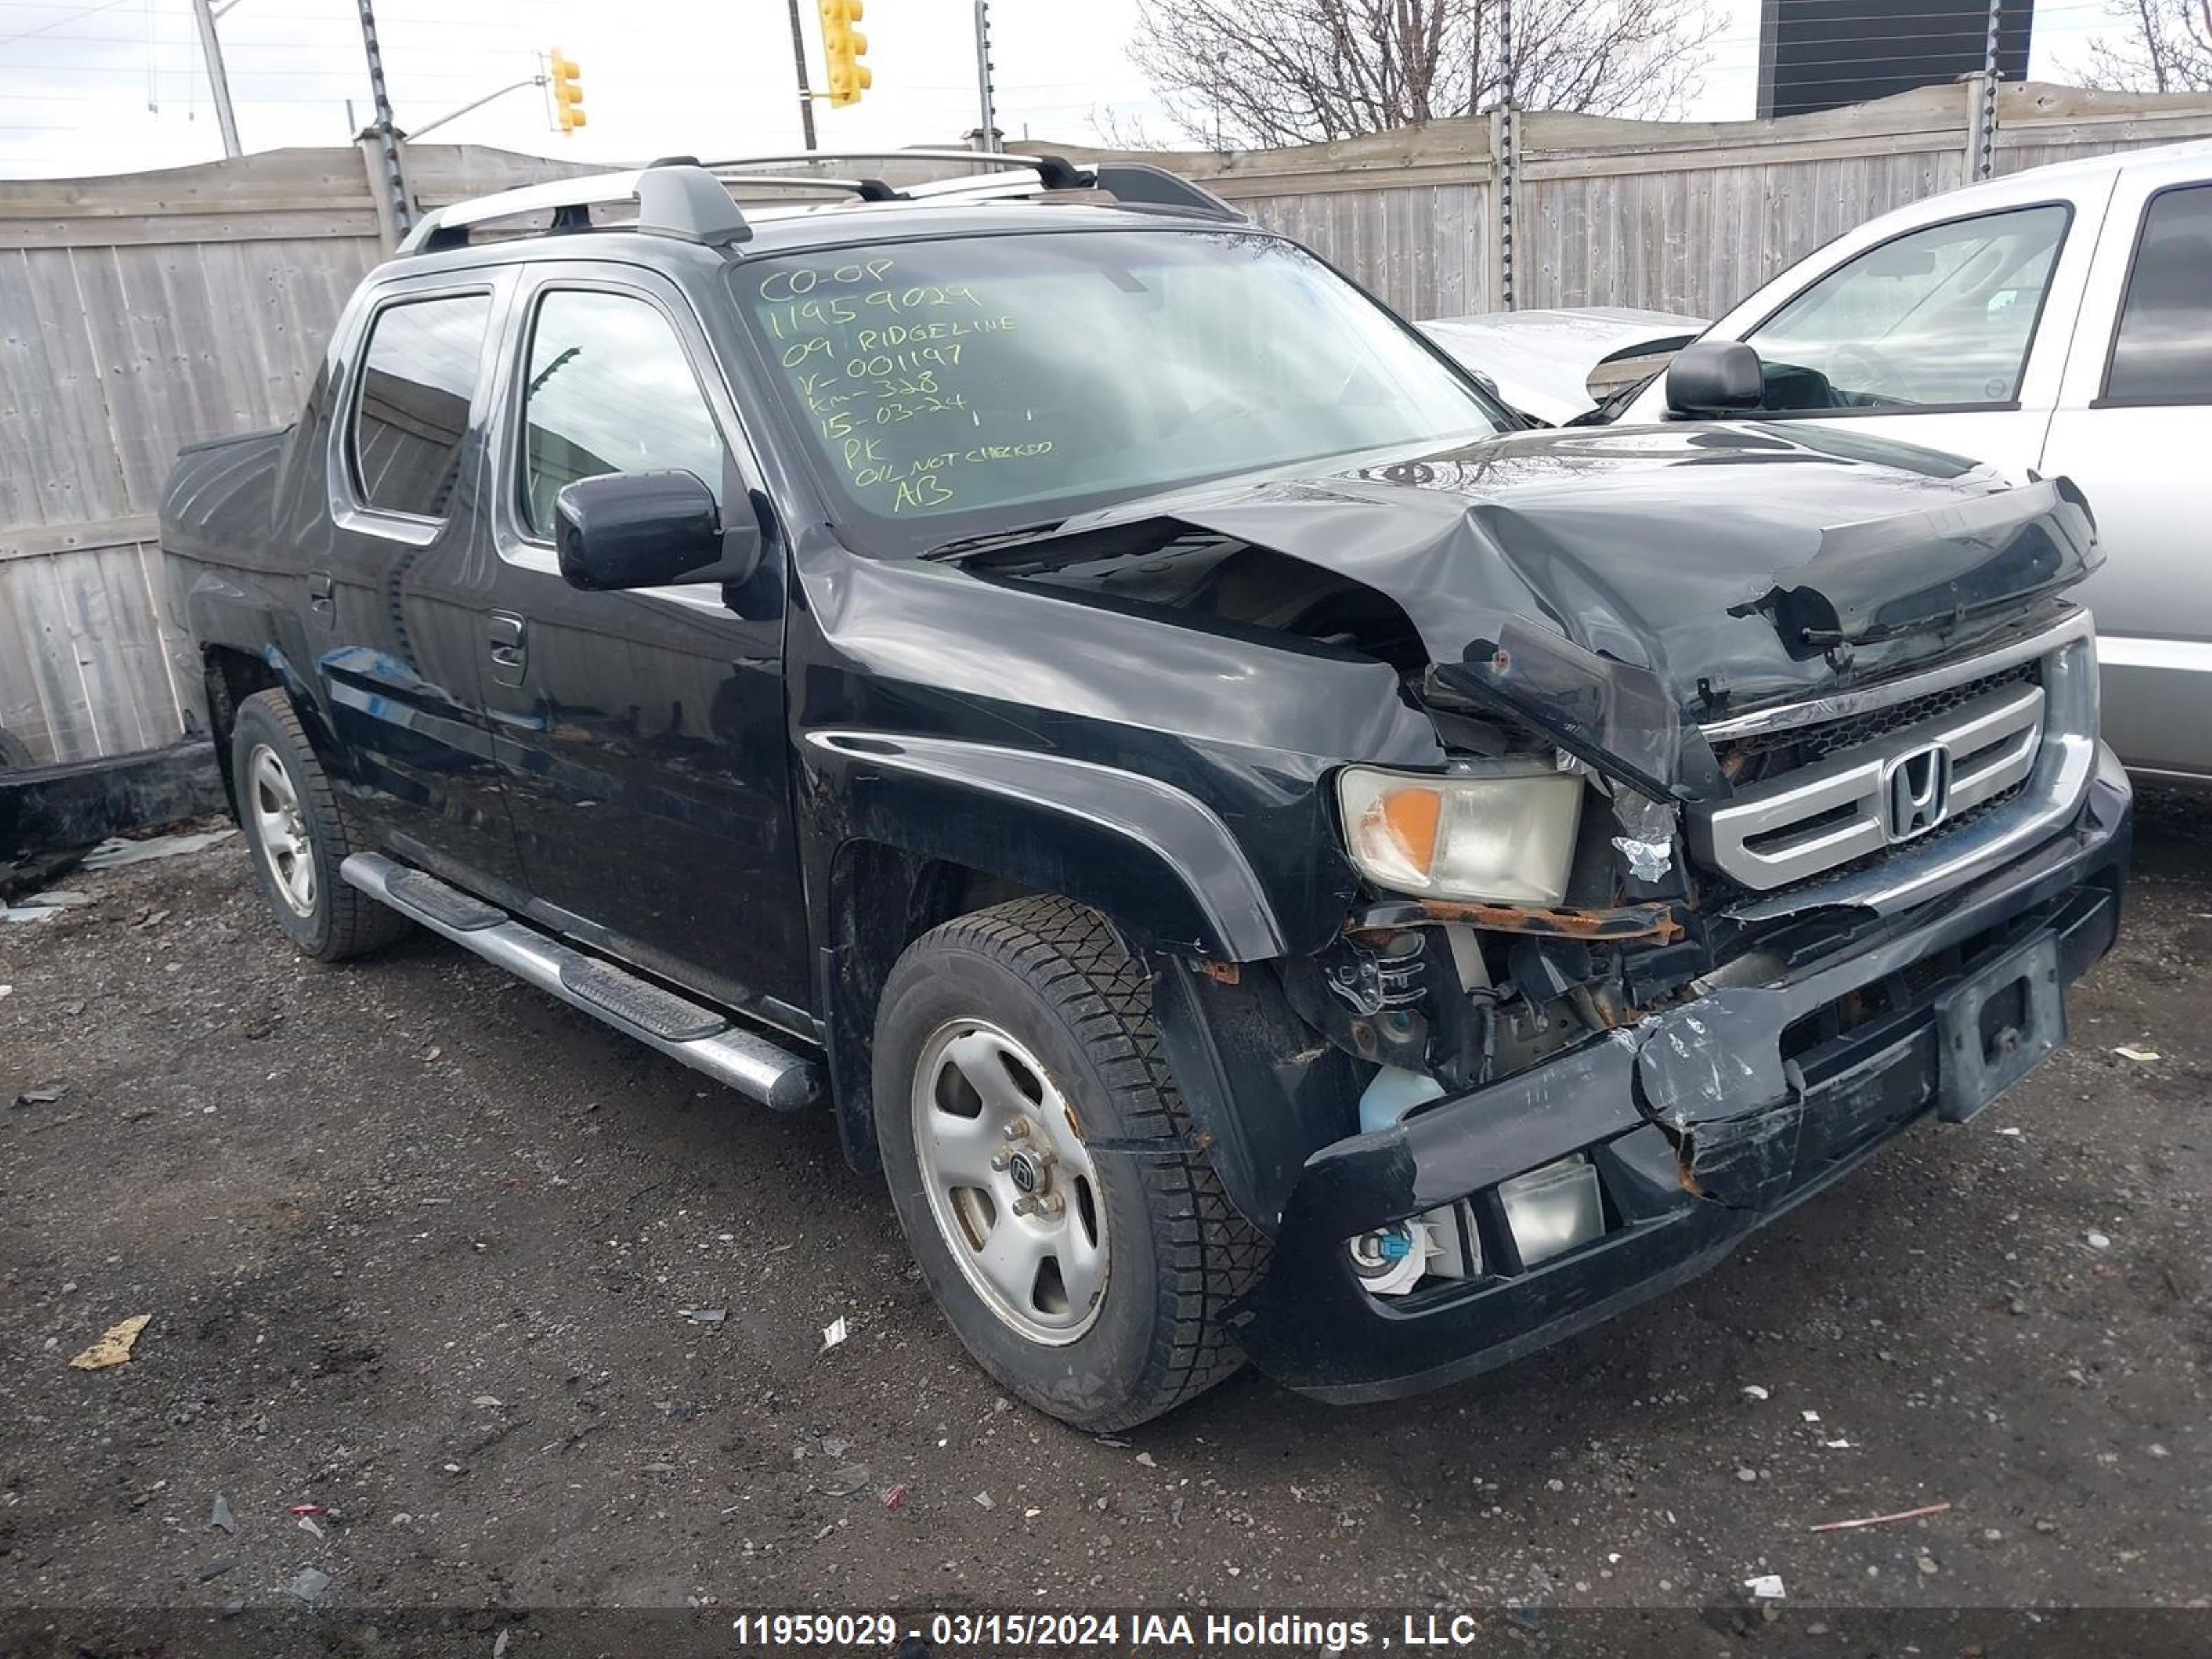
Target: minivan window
(418,373)
(2163,351)
(610,390)
(957,386)
(1939,318)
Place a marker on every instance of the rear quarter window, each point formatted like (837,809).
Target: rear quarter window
(418,373)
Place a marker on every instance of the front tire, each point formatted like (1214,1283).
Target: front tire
(298,835)
(1094,1284)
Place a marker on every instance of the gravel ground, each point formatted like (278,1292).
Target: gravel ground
(418,1245)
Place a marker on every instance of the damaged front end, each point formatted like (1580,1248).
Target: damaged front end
(1594,1057)
(1765,816)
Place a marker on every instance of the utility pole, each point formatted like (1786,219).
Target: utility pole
(218,78)
(388,135)
(799,63)
(1508,160)
(987,139)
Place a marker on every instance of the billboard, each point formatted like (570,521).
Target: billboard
(1818,54)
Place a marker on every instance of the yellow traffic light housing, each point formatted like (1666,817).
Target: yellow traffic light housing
(842,46)
(568,91)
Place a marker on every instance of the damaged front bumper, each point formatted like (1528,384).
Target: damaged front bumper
(1703,1122)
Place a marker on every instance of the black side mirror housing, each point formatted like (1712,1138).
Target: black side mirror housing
(624,530)
(1710,377)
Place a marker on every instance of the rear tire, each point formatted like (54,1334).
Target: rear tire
(297,834)
(1034,1014)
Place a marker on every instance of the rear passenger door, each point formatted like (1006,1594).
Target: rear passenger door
(398,578)
(642,734)
(2134,429)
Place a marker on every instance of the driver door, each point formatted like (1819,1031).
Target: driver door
(640,735)
(1952,335)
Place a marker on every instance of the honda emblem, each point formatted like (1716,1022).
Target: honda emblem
(1918,790)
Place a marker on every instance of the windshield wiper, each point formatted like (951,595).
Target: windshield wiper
(965,544)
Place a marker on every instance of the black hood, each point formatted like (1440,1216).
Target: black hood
(1609,584)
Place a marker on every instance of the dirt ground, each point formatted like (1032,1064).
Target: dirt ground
(418,1245)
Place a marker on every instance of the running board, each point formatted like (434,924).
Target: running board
(700,1037)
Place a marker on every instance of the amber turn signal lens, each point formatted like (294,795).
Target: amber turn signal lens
(1411,816)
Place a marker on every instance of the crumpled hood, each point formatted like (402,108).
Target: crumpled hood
(1611,584)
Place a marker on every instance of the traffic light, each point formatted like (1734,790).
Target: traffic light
(842,47)
(568,91)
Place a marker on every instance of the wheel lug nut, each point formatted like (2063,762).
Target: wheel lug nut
(1048,1204)
(1018,1129)
(1000,1160)
(1025,1204)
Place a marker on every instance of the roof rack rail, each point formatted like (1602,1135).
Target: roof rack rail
(1057,172)
(1134,182)
(677,197)
(868,190)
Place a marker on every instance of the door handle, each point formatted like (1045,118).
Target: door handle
(510,651)
(322,604)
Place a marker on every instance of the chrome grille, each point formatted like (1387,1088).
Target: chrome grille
(1770,753)
(1874,794)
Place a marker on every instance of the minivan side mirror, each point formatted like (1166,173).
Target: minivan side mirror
(624,530)
(1708,377)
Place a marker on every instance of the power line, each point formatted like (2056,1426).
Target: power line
(82,12)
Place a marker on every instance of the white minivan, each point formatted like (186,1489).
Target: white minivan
(2058,320)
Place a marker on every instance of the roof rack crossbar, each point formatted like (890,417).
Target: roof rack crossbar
(675,199)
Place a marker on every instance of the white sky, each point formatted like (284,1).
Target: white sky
(97,86)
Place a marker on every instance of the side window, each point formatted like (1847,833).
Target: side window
(417,375)
(2162,353)
(1937,318)
(610,390)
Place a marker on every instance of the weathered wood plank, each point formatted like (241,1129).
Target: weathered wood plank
(172,229)
(41,541)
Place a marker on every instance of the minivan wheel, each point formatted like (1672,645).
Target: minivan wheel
(1094,1284)
(297,834)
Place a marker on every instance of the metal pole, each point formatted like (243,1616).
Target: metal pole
(388,135)
(990,120)
(1985,123)
(218,78)
(799,63)
(477,103)
(1508,157)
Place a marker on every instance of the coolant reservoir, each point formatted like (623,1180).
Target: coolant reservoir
(1394,1092)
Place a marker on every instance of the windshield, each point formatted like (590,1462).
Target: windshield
(955,388)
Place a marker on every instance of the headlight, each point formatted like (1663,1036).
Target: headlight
(1506,835)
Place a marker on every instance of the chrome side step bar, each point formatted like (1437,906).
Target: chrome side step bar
(700,1037)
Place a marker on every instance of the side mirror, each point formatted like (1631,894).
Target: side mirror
(624,530)
(1708,377)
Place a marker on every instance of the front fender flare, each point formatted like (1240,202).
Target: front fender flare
(1155,861)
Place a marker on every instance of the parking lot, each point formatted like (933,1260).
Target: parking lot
(533,1319)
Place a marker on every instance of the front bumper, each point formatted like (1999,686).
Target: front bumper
(1745,1094)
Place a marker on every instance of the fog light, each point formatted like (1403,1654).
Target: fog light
(1391,1260)
(1553,1209)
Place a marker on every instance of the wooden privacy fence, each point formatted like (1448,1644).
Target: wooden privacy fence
(142,312)
(137,313)
(1686,216)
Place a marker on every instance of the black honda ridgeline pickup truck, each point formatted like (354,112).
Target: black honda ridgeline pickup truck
(1268,856)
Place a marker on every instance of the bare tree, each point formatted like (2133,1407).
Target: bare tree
(1268,72)
(2166,46)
